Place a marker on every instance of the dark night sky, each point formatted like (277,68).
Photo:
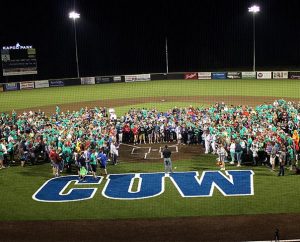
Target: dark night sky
(123,37)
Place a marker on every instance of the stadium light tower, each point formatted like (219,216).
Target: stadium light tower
(254,9)
(73,15)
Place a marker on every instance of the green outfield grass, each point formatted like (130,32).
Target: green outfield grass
(272,194)
(72,94)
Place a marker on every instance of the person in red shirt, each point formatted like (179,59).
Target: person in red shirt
(55,161)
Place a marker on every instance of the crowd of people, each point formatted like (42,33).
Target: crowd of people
(266,134)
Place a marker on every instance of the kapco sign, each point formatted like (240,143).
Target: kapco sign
(17,47)
(120,186)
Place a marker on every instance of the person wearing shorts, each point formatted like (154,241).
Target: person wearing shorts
(102,159)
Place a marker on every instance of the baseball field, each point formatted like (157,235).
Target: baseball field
(274,202)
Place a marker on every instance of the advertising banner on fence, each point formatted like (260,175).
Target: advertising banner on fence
(248,75)
(11,86)
(41,84)
(72,82)
(56,83)
(26,85)
(158,76)
(191,75)
(175,76)
(234,75)
(294,74)
(87,81)
(264,75)
(218,75)
(104,79)
(137,78)
(280,74)
(204,75)
(117,79)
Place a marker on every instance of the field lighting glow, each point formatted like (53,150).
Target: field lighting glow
(254,9)
(74,15)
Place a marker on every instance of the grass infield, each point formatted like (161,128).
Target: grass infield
(272,194)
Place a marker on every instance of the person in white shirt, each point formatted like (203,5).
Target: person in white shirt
(232,152)
(114,151)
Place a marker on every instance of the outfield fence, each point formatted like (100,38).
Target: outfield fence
(14,86)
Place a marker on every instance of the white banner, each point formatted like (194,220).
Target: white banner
(26,85)
(117,78)
(264,75)
(88,81)
(280,74)
(140,77)
(248,75)
(204,75)
(41,84)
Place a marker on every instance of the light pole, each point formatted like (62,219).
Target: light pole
(254,9)
(167,58)
(73,15)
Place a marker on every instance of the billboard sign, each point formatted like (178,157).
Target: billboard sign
(248,75)
(204,75)
(234,75)
(26,85)
(11,86)
(88,81)
(218,75)
(56,83)
(41,84)
(191,75)
(264,75)
(294,74)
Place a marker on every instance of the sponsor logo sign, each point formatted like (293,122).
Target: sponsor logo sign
(218,75)
(87,80)
(204,75)
(117,79)
(191,75)
(280,74)
(56,83)
(248,75)
(140,77)
(294,75)
(26,85)
(17,47)
(119,186)
(103,79)
(11,86)
(264,75)
(234,75)
(41,84)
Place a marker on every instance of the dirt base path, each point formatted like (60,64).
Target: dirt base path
(112,103)
(222,228)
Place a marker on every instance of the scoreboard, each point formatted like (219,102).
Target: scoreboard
(18,60)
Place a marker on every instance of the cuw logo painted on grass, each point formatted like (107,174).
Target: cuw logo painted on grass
(120,186)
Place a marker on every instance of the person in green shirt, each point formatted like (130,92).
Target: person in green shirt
(93,162)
